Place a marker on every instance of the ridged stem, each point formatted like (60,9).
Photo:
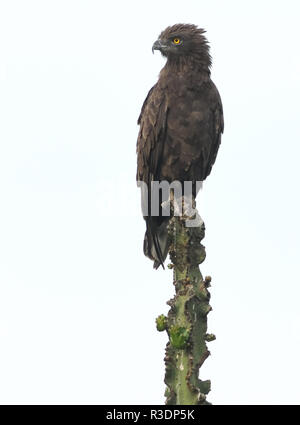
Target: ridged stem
(186,323)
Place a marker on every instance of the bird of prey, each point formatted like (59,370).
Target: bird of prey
(181,123)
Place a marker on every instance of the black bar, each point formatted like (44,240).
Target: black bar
(149,413)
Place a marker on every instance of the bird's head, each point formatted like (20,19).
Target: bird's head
(183,40)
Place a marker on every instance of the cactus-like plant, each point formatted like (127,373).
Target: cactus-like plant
(186,323)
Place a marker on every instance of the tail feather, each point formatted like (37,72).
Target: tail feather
(156,244)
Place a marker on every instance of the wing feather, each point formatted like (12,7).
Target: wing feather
(150,146)
(151,138)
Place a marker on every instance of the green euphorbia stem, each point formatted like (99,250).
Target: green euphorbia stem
(186,323)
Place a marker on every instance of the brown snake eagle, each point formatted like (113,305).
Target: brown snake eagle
(181,123)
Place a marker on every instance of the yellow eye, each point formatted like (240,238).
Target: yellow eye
(176,40)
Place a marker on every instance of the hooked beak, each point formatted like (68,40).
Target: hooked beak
(158,45)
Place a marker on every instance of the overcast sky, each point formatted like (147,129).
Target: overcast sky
(78,299)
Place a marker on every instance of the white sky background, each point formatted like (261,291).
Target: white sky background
(78,299)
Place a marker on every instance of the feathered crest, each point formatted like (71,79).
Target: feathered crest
(196,43)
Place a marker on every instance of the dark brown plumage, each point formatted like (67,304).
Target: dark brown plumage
(181,122)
